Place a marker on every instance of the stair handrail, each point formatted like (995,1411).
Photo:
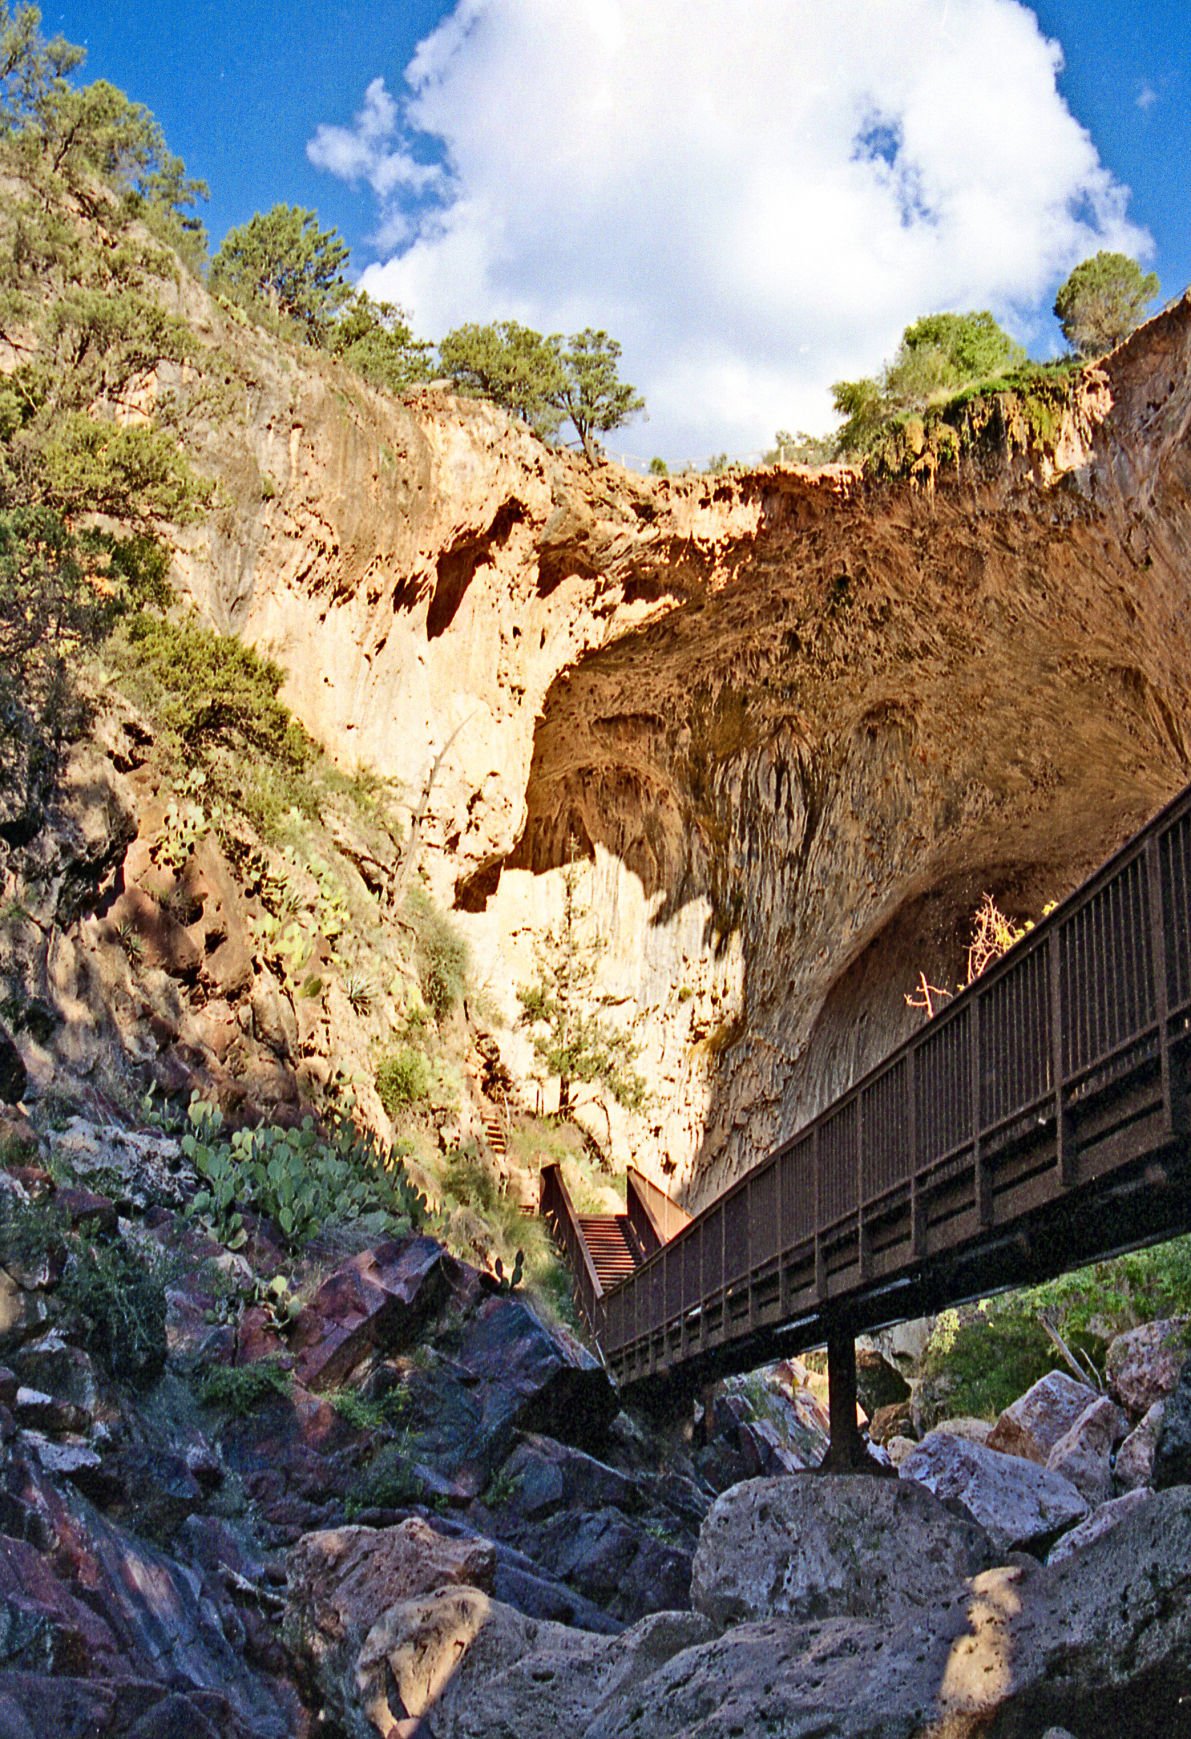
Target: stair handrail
(558,1210)
(654,1216)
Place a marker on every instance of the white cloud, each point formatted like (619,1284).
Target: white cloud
(369,151)
(754,196)
(1146,97)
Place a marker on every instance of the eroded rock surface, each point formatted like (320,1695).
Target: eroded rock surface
(816,1547)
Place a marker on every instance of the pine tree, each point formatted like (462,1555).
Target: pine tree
(571,1038)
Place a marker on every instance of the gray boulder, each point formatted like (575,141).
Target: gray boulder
(1107,1516)
(458,1665)
(826,1546)
(1172,1447)
(342,1580)
(1134,1466)
(1084,1647)
(1142,1365)
(1019,1504)
(1084,1453)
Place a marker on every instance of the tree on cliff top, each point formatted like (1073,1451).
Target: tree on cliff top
(1102,301)
(376,339)
(938,356)
(510,364)
(593,395)
(282,259)
(544,380)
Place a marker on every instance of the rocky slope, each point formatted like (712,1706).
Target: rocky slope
(798,722)
(407,1507)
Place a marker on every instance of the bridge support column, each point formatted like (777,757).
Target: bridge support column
(846,1452)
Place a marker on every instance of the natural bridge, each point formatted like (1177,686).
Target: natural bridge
(1037,1123)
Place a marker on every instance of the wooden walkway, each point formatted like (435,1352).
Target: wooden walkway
(1037,1123)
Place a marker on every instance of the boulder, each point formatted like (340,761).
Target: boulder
(895,1420)
(768,1422)
(897,1449)
(1082,1646)
(23,1314)
(136,1168)
(459,1665)
(160,941)
(1019,1504)
(340,1583)
(1083,1454)
(376,1301)
(1134,1465)
(66,1372)
(1107,1515)
(830,1546)
(1036,1420)
(85,1208)
(626,1566)
(544,1476)
(962,1425)
(1143,1364)
(507,1373)
(274,1023)
(1172,1446)
(96,1604)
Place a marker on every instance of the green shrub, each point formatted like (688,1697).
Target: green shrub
(402,1078)
(121,1296)
(442,955)
(979,1361)
(117,1292)
(389,1482)
(977,1364)
(378,1414)
(239,1389)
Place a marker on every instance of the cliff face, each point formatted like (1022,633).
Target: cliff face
(796,723)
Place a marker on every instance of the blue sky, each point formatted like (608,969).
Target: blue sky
(650,168)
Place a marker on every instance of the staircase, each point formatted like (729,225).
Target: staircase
(494,1134)
(605,1250)
(613,1246)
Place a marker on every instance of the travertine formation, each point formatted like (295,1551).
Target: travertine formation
(794,722)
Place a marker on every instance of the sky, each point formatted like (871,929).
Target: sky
(753,197)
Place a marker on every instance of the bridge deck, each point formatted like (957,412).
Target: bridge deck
(1038,1122)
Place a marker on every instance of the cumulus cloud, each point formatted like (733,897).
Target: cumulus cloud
(754,196)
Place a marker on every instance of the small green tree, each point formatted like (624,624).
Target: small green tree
(942,353)
(938,356)
(1102,301)
(282,259)
(593,395)
(376,339)
(544,380)
(510,364)
(33,71)
(571,1038)
(862,406)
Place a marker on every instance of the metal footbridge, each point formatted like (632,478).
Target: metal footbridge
(1037,1123)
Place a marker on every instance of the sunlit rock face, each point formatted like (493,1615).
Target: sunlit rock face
(793,724)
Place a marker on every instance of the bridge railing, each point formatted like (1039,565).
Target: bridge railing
(557,1209)
(1088,998)
(654,1217)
